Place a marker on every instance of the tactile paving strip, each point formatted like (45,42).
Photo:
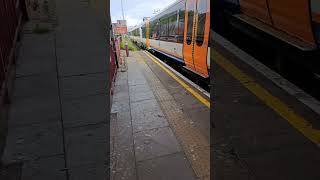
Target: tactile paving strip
(195,145)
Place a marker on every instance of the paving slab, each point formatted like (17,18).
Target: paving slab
(141,96)
(121,82)
(33,141)
(85,111)
(139,88)
(120,106)
(51,168)
(24,111)
(122,153)
(36,46)
(36,55)
(170,167)
(145,106)
(86,145)
(121,94)
(124,134)
(38,85)
(154,143)
(84,85)
(125,165)
(148,120)
(89,171)
(81,65)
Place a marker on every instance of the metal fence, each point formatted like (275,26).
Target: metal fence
(11,14)
(114,59)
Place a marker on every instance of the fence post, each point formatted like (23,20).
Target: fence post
(127,49)
(23,8)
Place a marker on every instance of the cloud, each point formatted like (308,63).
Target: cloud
(135,10)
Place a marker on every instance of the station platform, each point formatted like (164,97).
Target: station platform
(160,124)
(264,127)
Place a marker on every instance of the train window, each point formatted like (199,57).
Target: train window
(154,31)
(135,32)
(158,29)
(191,8)
(172,27)
(202,9)
(151,29)
(181,25)
(144,31)
(164,28)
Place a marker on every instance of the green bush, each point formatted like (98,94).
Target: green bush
(131,46)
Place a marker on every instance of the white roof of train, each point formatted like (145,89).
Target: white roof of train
(158,15)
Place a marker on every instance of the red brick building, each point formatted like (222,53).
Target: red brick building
(120,27)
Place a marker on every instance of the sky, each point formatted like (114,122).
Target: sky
(136,10)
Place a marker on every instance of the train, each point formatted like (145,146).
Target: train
(287,32)
(180,32)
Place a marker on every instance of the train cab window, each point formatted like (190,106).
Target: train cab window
(164,28)
(190,8)
(202,9)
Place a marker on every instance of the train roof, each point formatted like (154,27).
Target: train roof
(169,8)
(164,11)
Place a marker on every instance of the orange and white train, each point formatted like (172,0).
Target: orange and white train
(181,32)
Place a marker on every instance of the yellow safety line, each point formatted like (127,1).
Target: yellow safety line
(271,101)
(193,92)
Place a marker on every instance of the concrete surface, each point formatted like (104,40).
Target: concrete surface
(252,141)
(144,144)
(58,117)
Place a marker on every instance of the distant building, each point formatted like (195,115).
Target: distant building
(120,27)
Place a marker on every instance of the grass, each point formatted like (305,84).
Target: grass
(131,46)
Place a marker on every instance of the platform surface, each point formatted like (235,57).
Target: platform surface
(261,131)
(57,125)
(158,129)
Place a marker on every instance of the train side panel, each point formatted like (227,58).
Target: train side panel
(154,43)
(295,20)
(172,48)
(291,17)
(257,9)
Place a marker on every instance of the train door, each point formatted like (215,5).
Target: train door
(189,34)
(196,35)
(148,33)
(202,31)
